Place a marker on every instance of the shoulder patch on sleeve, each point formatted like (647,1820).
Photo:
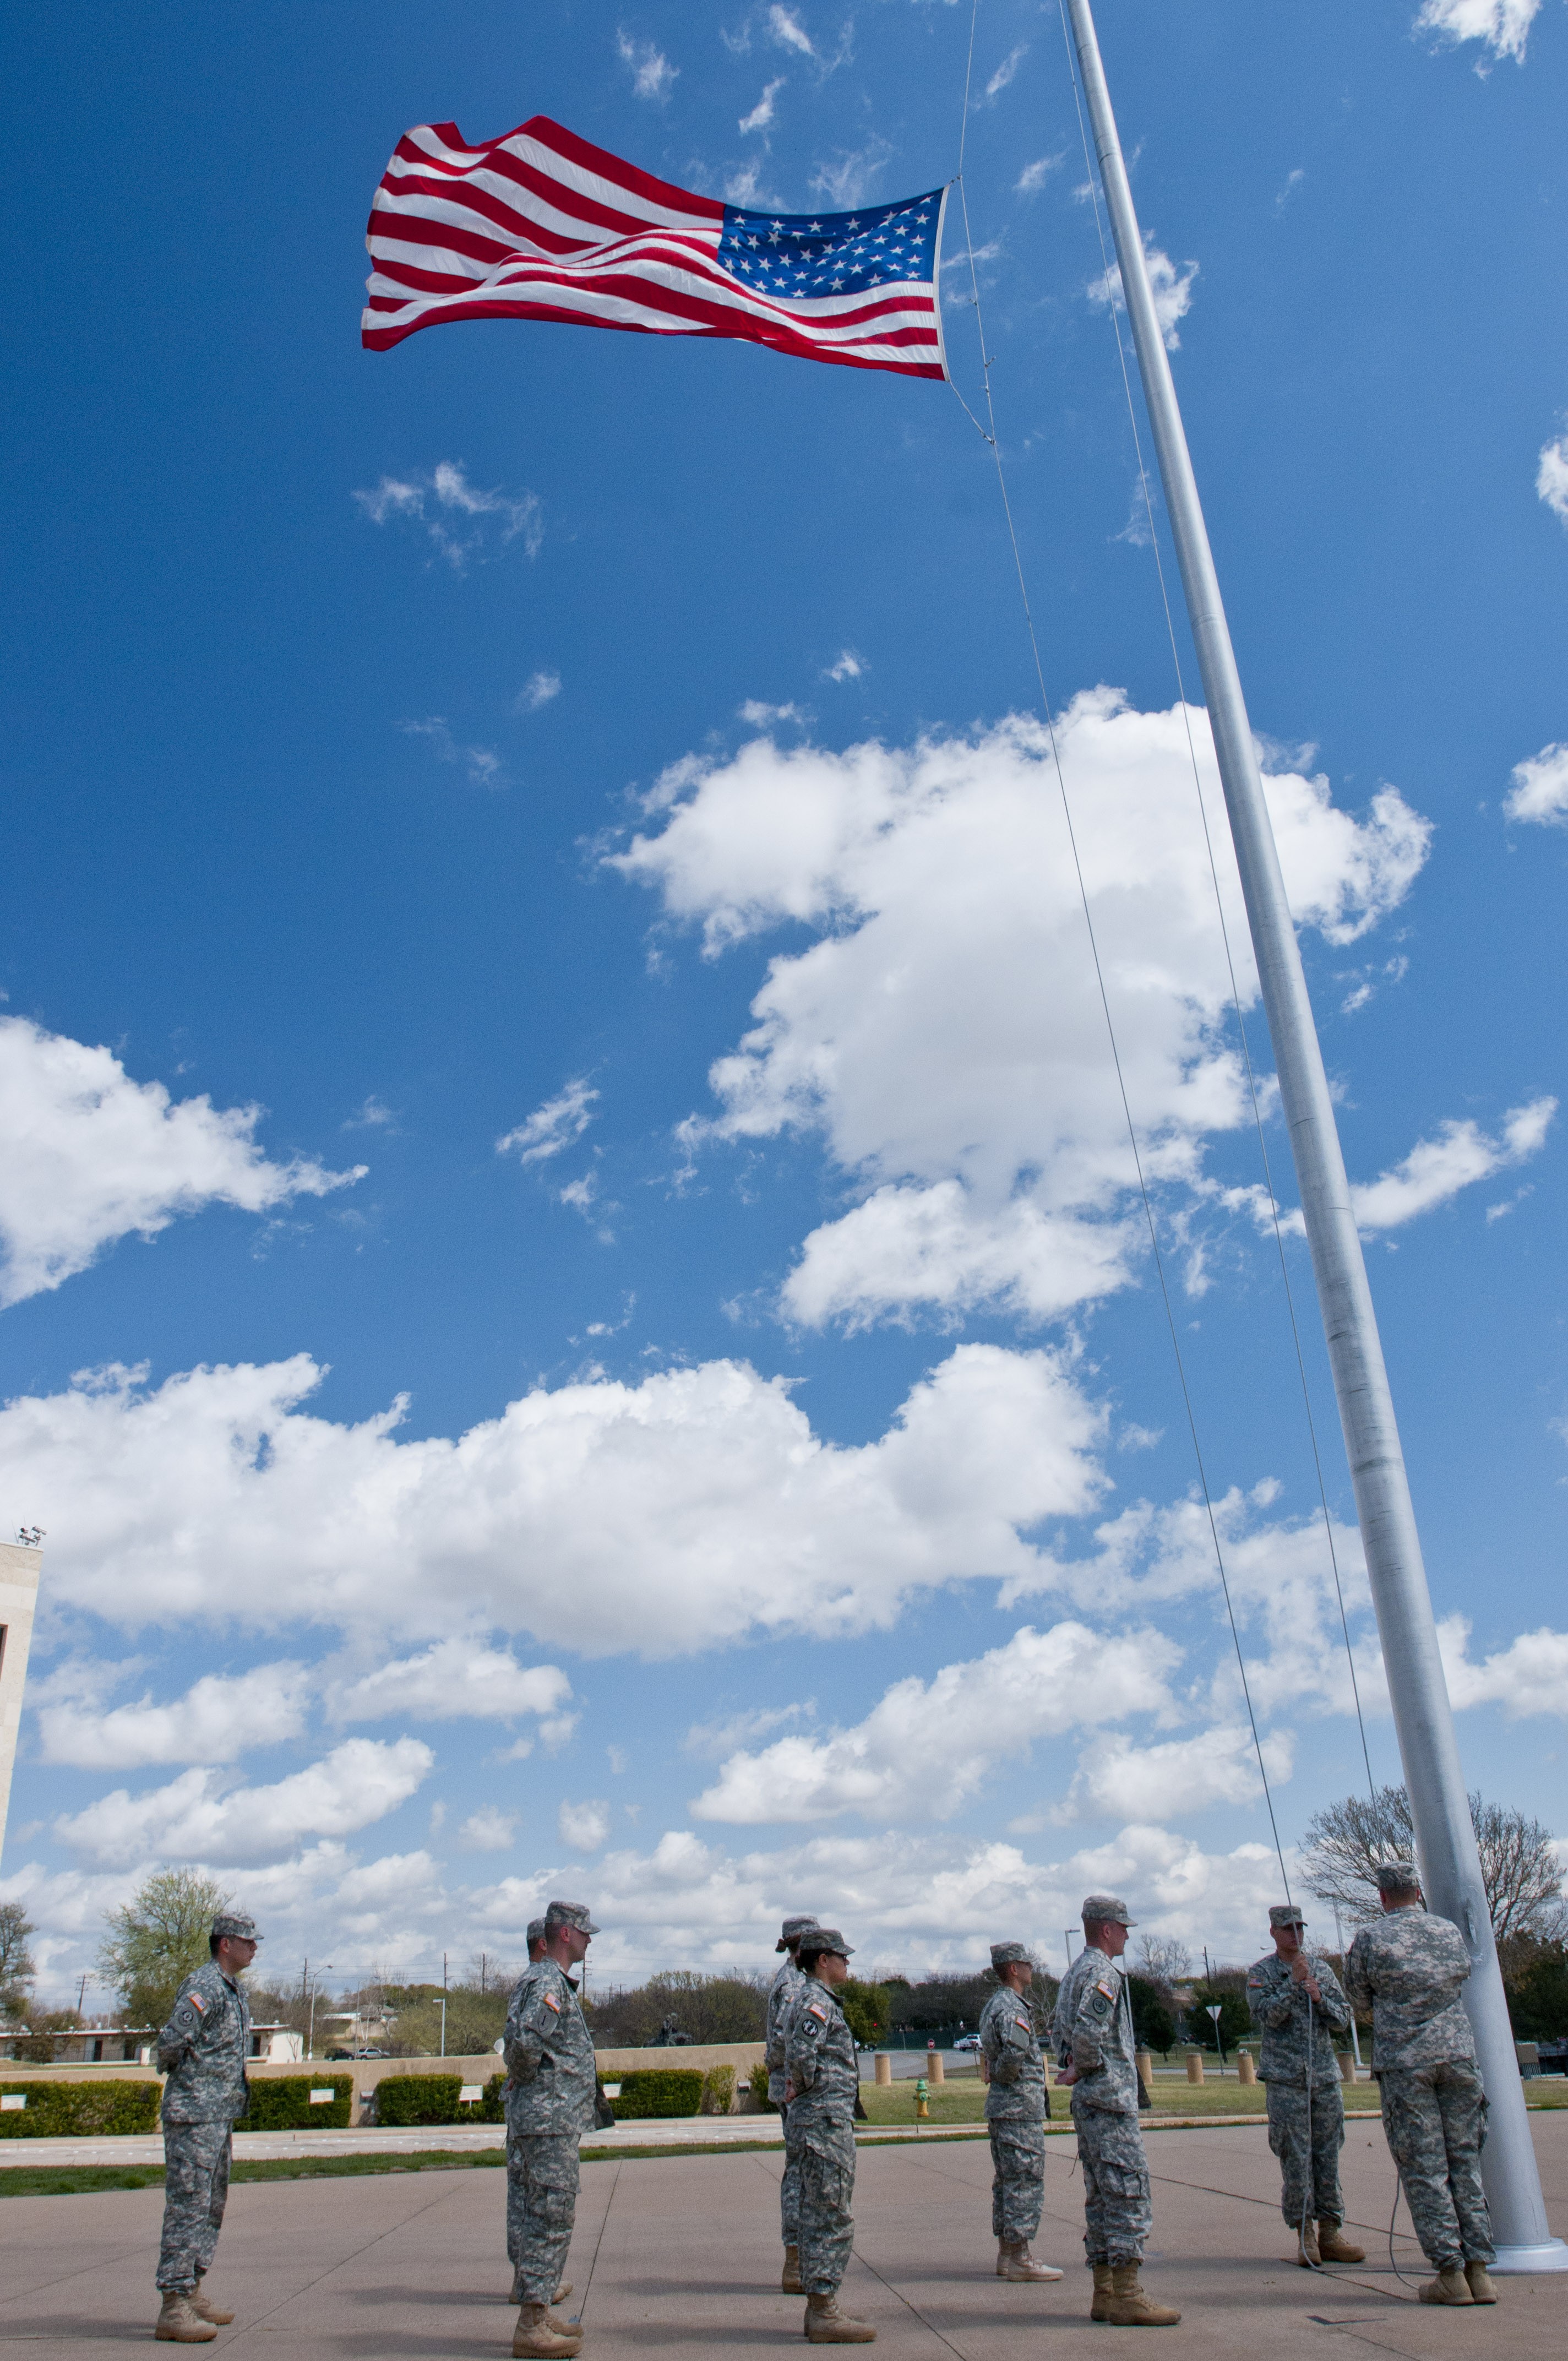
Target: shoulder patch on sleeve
(1022,2021)
(815,2008)
(1104,1984)
(197,2002)
(552,2000)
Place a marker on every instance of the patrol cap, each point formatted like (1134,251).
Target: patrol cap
(1397,1877)
(569,1914)
(1106,1906)
(791,1928)
(535,1931)
(1285,1914)
(236,1924)
(1003,1955)
(817,1940)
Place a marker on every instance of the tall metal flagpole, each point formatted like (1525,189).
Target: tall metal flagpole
(1446,1840)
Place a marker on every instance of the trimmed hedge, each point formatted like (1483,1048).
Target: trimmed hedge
(282,2103)
(719,2091)
(759,2089)
(492,2107)
(419,2099)
(659,2091)
(63,2110)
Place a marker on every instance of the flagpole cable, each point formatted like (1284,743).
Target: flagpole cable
(1100,979)
(1219,901)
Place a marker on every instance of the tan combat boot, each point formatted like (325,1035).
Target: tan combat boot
(1307,2253)
(205,2309)
(1014,2261)
(1479,2279)
(178,2324)
(1450,2285)
(1097,2310)
(826,2325)
(790,2281)
(1129,2307)
(538,2333)
(1333,2246)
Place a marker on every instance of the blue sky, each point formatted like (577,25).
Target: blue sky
(722,1453)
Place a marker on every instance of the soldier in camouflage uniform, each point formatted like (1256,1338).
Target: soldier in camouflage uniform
(550,2086)
(1092,2030)
(822,2082)
(1296,2004)
(535,1941)
(1015,2108)
(787,1987)
(202,2050)
(1410,1968)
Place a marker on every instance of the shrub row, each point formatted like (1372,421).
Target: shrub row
(63,2110)
(659,2091)
(282,2103)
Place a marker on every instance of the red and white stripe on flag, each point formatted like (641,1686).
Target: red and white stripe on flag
(540,225)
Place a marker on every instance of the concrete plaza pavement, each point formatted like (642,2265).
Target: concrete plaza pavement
(680,2253)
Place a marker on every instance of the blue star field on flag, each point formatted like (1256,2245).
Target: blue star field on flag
(797,256)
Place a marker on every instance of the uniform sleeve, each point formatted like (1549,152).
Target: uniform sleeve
(802,2050)
(1358,1989)
(1269,2008)
(1095,2017)
(1333,2008)
(182,2032)
(778,2025)
(1011,2053)
(533,2024)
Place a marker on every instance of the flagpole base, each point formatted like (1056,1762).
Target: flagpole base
(1551,2255)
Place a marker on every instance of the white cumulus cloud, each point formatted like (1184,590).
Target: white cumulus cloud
(220,1718)
(688,1509)
(944,1035)
(584,1826)
(1503,25)
(1118,1779)
(1170,285)
(458,1679)
(487,1830)
(1540,789)
(92,1156)
(200,1818)
(1437,1169)
(1529,1676)
(1551,476)
(929,1746)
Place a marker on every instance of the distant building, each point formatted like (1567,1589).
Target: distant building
(132,2045)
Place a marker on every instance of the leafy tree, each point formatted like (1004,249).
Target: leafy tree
(1154,2022)
(1538,1994)
(730,2007)
(155,1941)
(1235,2018)
(1519,1870)
(865,2006)
(16,1966)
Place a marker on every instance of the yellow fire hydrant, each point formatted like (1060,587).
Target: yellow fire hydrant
(922,2101)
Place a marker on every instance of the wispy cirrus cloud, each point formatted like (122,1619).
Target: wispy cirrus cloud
(652,75)
(558,1124)
(463,521)
(482,763)
(1170,286)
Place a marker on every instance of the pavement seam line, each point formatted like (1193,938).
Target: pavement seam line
(394,2228)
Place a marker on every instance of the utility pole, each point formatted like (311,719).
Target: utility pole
(443,2004)
(1423,1719)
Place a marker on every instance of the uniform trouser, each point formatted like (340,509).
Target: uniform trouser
(826,2154)
(1434,2119)
(789,2186)
(1306,2131)
(195,2190)
(541,2206)
(1117,2213)
(1018,2176)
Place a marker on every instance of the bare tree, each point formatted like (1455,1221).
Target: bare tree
(16,1969)
(1163,1961)
(1520,1869)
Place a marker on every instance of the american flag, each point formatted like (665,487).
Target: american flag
(541,225)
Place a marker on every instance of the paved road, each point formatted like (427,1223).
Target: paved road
(680,2256)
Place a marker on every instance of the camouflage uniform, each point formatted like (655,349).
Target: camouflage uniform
(787,1987)
(1092,2029)
(824,2075)
(550,2089)
(1410,1967)
(1306,2110)
(202,2050)
(1016,2104)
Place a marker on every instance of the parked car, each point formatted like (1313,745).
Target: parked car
(967,2041)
